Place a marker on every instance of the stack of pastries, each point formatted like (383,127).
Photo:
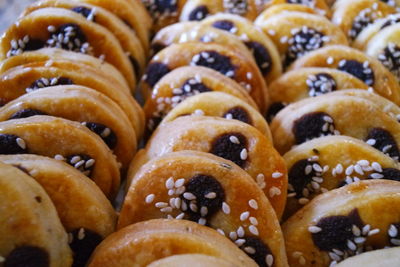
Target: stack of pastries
(218,133)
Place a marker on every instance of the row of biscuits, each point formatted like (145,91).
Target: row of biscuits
(69,126)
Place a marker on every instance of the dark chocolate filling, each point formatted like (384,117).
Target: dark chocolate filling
(261,55)
(261,250)
(215,61)
(360,70)
(273,110)
(223,147)
(83,243)
(9,145)
(225,25)
(26,113)
(321,83)
(27,256)
(155,71)
(384,141)
(108,135)
(84,11)
(313,125)
(199,13)
(238,113)
(47,82)
(68,36)
(298,178)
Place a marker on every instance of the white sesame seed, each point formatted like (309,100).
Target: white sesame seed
(193,207)
(371,142)
(233,236)
(240,231)
(338,252)
(253,229)
(373,232)
(329,60)
(243,154)
(180,216)
(358,169)
(89,163)
(363,162)
(169,184)
(234,139)
(393,232)
(253,220)
(308,169)
(351,245)
(171,192)
(225,208)
(250,250)
(376,166)
(303,201)
(356,231)
(269,260)
(149,198)
(376,176)
(211,195)
(274,191)
(360,240)
(59,157)
(240,242)
(161,204)
(314,229)
(253,204)
(166,209)
(189,196)
(21,143)
(81,234)
(203,211)
(277,175)
(244,216)
(79,164)
(177,202)
(349,170)
(202,221)
(221,231)
(179,182)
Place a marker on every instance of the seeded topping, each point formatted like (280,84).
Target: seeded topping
(25,113)
(321,83)
(309,3)
(24,44)
(190,88)
(391,20)
(104,132)
(390,58)
(258,251)
(11,144)
(226,147)
(160,9)
(273,110)
(28,256)
(383,140)
(386,173)
(238,7)
(361,21)
(215,61)
(360,70)
(155,71)
(261,55)
(157,47)
(225,25)
(238,113)
(303,40)
(394,234)
(69,37)
(313,125)
(198,13)
(82,163)
(83,242)
(47,82)
(88,13)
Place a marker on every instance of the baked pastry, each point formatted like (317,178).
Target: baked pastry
(230,139)
(352,17)
(297,33)
(199,9)
(224,59)
(287,7)
(218,104)
(184,82)
(355,62)
(42,28)
(262,48)
(40,70)
(372,29)
(330,162)
(194,260)
(63,140)
(132,13)
(385,47)
(128,40)
(344,222)
(333,115)
(383,257)
(84,211)
(93,109)
(308,82)
(319,6)
(31,232)
(201,187)
(145,242)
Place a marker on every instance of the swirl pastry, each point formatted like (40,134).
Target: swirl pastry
(63,140)
(185,82)
(296,33)
(164,13)
(199,9)
(203,188)
(319,6)
(218,104)
(62,28)
(329,162)
(128,40)
(230,139)
(383,257)
(194,260)
(145,242)
(31,232)
(358,64)
(262,48)
(352,17)
(308,82)
(94,110)
(344,222)
(334,115)
(84,211)
(224,59)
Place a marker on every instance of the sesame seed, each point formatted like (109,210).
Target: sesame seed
(308,169)
(203,211)
(179,182)
(211,195)
(21,143)
(274,191)
(334,256)
(250,250)
(356,231)
(351,245)
(202,221)
(59,157)
(393,232)
(180,216)
(253,204)
(360,240)
(329,60)
(240,231)
(253,220)
(349,170)
(161,204)
(338,252)
(149,198)
(89,163)
(243,154)
(395,241)
(229,116)
(81,234)
(373,232)
(170,183)
(221,231)
(253,229)
(244,216)
(166,209)
(277,175)
(189,196)
(358,169)
(240,242)
(75,159)
(171,192)
(233,236)
(234,139)
(193,207)
(303,201)
(269,260)
(79,164)
(377,176)
(225,208)
(314,229)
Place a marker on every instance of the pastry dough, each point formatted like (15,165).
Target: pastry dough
(356,218)
(262,48)
(189,80)
(31,232)
(297,33)
(199,9)
(164,13)
(64,140)
(355,62)
(194,260)
(201,187)
(229,139)
(224,59)
(352,17)
(84,211)
(330,162)
(220,104)
(388,257)
(281,8)
(333,115)
(94,110)
(128,40)
(145,242)
(319,6)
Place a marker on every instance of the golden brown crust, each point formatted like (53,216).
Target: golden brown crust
(194,260)
(358,204)
(319,6)
(337,56)
(383,257)
(280,8)
(84,105)
(145,242)
(49,136)
(29,219)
